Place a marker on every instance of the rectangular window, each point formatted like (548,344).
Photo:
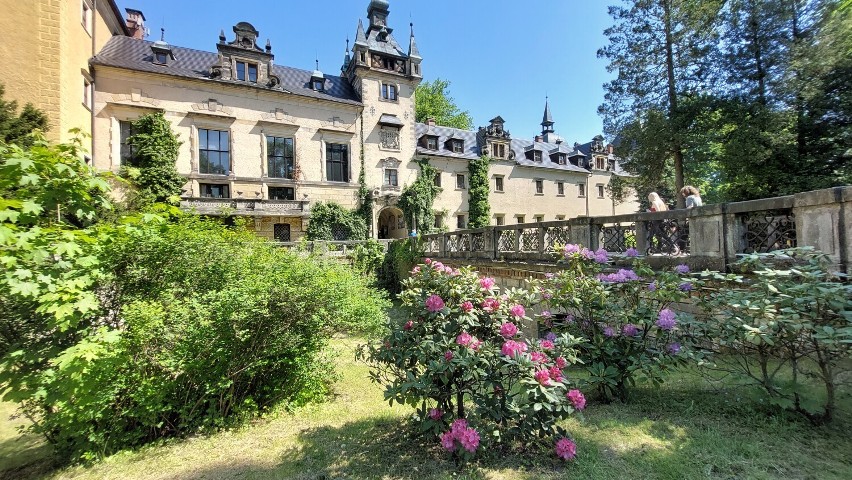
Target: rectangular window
(391,177)
(160,58)
(563,159)
(560,188)
(125,149)
(437,180)
(86,19)
(389,92)
(520,218)
(282,193)
(581,189)
(499,150)
(87,93)
(211,190)
(247,71)
(431,143)
(536,156)
(337,162)
(539,187)
(281,231)
(500,219)
(539,218)
(460,221)
(600,163)
(458,146)
(460,181)
(439,221)
(214,151)
(601,191)
(279,157)
(560,217)
(389,138)
(498,184)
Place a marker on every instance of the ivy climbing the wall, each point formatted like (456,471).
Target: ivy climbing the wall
(479,209)
(331,221)
(417,199)
(365,196)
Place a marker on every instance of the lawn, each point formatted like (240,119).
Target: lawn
(681,430)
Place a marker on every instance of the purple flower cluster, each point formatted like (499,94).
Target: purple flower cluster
(621,276)
(666,320)
(630,330)
(600,255)
(682,269)
(631,252)
(685,286)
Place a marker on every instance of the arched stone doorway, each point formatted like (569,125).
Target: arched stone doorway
(391,223)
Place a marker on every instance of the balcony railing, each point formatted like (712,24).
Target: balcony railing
(244,206)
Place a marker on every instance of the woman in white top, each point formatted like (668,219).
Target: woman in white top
(693,198)
(657,203)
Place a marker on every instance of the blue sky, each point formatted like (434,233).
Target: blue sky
(501,56)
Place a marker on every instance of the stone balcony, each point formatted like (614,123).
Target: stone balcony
(246,207)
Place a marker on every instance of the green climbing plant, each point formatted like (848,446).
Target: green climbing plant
(151,169)
(331,221)
(480,210)
(417,198)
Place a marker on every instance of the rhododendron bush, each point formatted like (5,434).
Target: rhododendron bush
(625,318)
(461,359)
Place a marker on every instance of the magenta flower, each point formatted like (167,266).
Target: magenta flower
(467,307)
(682,269)
(434,303)
(448,269)
(631,252)
(512,348)
(508,330)
(518,310)
(666,320)
(630,330)
(458,426)
(475,343)
(436,413)
(408,325)
(487,283)
(464,339)
(546,344)
(437,265)
(538,357)
(543,377)
(546,295)
(415,270)
(427,261)
(548,275)
(546,314)
(577,399)
(448,356)
(490,304)
(469,439)
(561,362)
(555,373)
(566,449)
(448,441)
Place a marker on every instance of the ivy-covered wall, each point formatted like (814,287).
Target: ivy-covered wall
(479,209)
(418,198)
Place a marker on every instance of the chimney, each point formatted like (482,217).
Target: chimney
(539,138)
(430,122)
(610,149)
(135,22)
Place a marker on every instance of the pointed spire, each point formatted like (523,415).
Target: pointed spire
(412,45)
(547,121)
(360,36)
(222,36)
(346,57)
(268,46)
(162,34)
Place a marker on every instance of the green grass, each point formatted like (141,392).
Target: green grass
(682,430)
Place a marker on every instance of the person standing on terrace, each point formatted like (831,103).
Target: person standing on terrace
(656,203)
(693,198)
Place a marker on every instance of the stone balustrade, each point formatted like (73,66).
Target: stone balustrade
(705,237)
(244,206)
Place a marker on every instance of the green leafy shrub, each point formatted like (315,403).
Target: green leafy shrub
(401,257)
(367,258)
(479,209)
(330,221)
(461,360)
(623,318)
(152,169)
(417,199)
(785,327)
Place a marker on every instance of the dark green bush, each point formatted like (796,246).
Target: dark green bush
(401,257)
(330,221)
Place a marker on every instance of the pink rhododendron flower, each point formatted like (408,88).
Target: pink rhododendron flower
(652,286)
(448,356)
(464,339)
(570,249)
(448,269)
(518,310)
(543,377)
(427,261)
(475,343)
(415,270)
(550,336)
(437,265)
(469,439)
(548,276)
(539,357)
(546,344)
(408,325)
(555,373)
(467,307)
(577,399)
(561,362)
(434,303)
(666,320)
(512,348)
(673,348)
(436,413)
(508,330)
(546,314)
(448,441)
(490,304)
(601,256)
(566,449)
(458,426)
(608,331)
(486,283)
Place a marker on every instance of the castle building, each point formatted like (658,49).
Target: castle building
(268,141)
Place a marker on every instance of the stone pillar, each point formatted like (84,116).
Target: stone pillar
(581,232)
(641,236)
(824,220)
(712,238)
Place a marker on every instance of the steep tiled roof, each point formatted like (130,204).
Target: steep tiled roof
(133,54)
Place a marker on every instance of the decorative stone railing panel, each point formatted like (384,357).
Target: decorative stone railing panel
(244,206)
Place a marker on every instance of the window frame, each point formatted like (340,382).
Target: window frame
(538,218)
(122,141)
(581,189)
(391,177)
(431,142)
(330,149)
(226,188)
(539,186)
(246,73)
(499,184)
(600,163)
(560,189)
(499,220)
(439,220)
(269,195)
(601,190)
(228,166)
(436,181)
(521,218)
(460,221)
(87,93)
(86,16)
(498,150)
(457,146)
(389,92)
(289,229)
(289,161)
(461,184)
(537,156)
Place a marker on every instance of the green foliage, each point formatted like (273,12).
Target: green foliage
(152,169)
(479,209)
(618,318)
(330,221)
(458,354)
(367,258)
(789,320)
(433,100)
(365,195)
(417,199)
(401,256)
(16,127)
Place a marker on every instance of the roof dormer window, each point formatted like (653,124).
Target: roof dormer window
(432,143)
(161,58)
(247,72)
(457,146)
(161,50)
(563,159)
(536,156)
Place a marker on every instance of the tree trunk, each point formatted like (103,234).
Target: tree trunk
(676,147)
